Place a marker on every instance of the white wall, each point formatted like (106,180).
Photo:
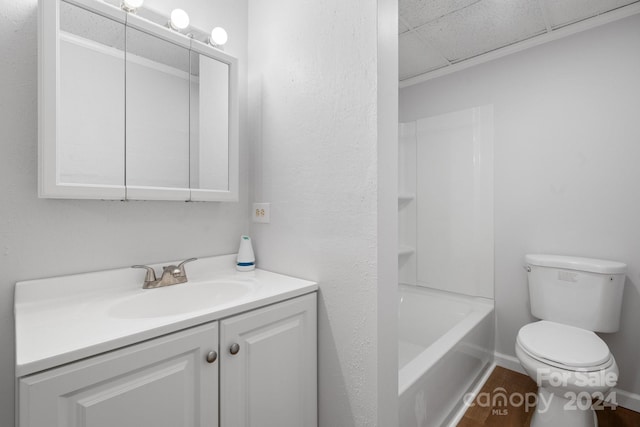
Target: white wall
(314,84)
(40,238)
(567,144)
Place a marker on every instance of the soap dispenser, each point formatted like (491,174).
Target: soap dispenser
(246,260)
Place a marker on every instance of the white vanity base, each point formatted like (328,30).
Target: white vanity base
(97,350)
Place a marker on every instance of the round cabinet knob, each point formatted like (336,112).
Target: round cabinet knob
(212,356)
(235,348)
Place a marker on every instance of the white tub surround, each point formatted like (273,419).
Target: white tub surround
(445,345)
(446,162)
(62,319)
(446,331)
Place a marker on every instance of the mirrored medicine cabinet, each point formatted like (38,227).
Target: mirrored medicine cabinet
(131,110)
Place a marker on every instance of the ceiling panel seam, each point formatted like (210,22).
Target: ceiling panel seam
(443,15)
(598,14)
(532,36)
(424,40)
(545,15)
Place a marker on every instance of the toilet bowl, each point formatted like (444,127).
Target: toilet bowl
(572,366)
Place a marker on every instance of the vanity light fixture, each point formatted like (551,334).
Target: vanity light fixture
(131,5)
(218,37)
(179,20)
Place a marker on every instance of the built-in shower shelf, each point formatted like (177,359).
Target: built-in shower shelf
(405,250)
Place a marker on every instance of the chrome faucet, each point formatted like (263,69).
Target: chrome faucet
(171,275)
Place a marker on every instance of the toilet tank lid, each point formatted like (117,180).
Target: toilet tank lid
(577,263)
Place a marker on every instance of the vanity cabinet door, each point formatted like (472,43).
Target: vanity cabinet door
(166,382)
(268,366)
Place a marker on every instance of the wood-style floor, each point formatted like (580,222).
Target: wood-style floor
(483,414)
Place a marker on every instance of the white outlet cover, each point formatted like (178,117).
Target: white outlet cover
(261,212)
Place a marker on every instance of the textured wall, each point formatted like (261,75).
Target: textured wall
(40,238)
(566,164)
(312,109)
(387,213)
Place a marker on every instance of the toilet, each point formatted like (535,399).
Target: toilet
(573,298)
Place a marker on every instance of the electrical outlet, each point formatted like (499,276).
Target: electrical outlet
(261,212)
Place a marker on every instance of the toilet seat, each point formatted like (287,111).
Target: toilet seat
(564,346)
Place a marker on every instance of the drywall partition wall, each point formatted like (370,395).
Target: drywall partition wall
(314,87)
(387,195)
(41,238)
(454,199)
(566,170)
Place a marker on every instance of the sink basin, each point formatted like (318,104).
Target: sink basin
(179,299)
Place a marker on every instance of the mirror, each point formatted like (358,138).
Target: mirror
(214,124)
(209,123)
(92,68)
(157,126)
(129,109)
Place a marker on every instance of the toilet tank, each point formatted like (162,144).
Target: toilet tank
(581,292)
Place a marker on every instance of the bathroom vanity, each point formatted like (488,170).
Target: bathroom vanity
(224,349)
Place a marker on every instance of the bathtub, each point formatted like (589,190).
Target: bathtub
(446,343)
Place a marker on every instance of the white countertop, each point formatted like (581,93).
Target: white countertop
(63,319)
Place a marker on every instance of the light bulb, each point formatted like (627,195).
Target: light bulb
(179,19)
(131,5)
(218,36)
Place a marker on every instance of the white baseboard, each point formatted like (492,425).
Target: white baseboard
(624,398)
(509,362)
(628,400)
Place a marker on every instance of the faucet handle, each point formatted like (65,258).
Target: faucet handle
(180,266)
(182,272)
(151,273)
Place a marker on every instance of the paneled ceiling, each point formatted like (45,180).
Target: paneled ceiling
(435,34)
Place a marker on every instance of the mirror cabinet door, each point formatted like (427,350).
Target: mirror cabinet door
(214,124)
(157,118)
(89,153)
(209,165)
